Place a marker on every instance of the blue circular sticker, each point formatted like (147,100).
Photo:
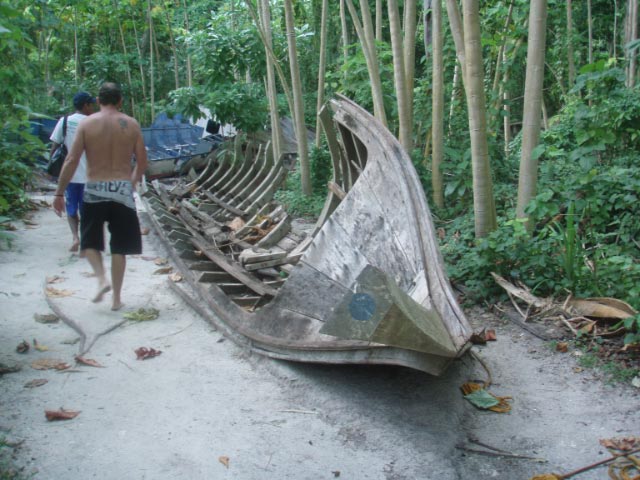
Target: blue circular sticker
(362,306)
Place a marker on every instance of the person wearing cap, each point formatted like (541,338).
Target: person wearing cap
(84,103)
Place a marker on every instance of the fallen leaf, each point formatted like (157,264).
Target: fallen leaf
(88,274)
(547,476)
(483,337)
(144,231)
(142,314)
(336,473)
(163,270)
(49,364)
(38,382)
(160,261)
(88,361)
(23,347)
(4,368)
(9,227)
(236,224)
(176,277)
(61,414)
(55,293)
(623,444)
(39,346)
(602,307)
(481,398)
(29,222)
(143,353)
(224,461)
(55,279)
(491,335)
(46,317)
(147,258)
(577,369)
(562,347)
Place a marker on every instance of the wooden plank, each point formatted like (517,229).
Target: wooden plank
(214,277)
(204,266)
(225,205)
(250,256)
(337,190)
(266,264)
(233,269)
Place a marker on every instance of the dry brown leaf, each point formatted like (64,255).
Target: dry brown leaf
(624,444)
(163,271)
(49,364)
(23,347)
(547,476)
(562,347)
(46,317)
(38,382)
(143,353)
(160,261)
(55,293)
(39,346)
(55,279)
(144,231)
(176,277)
(236,224)
(491,335)
(88,361)
(224,460)
(29,222)
(602,307)
(60,414)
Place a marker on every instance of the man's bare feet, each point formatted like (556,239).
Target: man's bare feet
(75,246)
(117,306)
(101,291)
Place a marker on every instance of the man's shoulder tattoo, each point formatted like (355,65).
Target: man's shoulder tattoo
(123,123)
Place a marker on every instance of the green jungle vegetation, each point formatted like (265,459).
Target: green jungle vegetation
(580,234)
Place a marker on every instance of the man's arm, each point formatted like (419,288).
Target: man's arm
(141,158)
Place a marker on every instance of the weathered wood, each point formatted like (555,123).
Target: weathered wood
(225,205)
(337,190)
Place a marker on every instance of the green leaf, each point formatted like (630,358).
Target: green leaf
(482,399)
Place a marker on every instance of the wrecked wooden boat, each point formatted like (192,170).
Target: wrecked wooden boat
(366,285)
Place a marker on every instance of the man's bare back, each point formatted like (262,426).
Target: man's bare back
(110,139)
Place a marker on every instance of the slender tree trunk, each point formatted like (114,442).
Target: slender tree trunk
(507,108)
(455,22)
(76,46)
(528,177)
(572,64)
(426,23)
(301,130)
(188,30)
(322,66)
(409,46)
(276,130)
(151,64)
(631,34)
(174,50)
(126,56)
(399,75)
(455,83)
(379,14)
(590,29)
(483,202)
(345,38)
(142,75)
(367,40)
(437,105)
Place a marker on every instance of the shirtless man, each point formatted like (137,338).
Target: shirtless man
(109,139)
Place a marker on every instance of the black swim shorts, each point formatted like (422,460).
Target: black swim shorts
(121,219)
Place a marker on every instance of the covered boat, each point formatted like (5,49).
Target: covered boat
(366,285)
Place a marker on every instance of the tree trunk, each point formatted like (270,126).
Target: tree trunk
(188,30)
(455,22)
(507,109)
(276,130)
(151,64)
(409,28)
(399,75)
(174,50)
(528,177)
(367,40)
(126,55)
(631,34)
(345,38)
(322,67)
(142,76)
(379,14)
(572,65)
(301,130)
(426,24)
(437,105)
(483,202)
